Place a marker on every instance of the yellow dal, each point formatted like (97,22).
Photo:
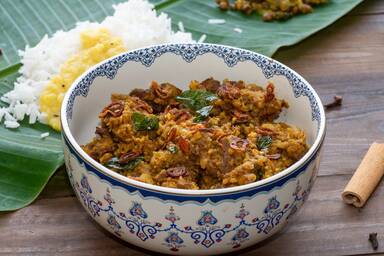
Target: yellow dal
(96,45)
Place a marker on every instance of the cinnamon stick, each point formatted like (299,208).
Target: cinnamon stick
(366,177)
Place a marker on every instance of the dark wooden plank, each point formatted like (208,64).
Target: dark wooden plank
(56,226)
(349,48)
(325,226)
(368,8)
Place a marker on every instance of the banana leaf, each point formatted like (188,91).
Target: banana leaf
(27,161)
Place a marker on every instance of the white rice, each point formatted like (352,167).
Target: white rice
(2,113)
(181,26)
(238,30)
(40,63)
(135,21)
(202,38)
(216,21)
(11,124)
(44,135)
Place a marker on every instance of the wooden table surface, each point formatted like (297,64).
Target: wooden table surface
(345,59)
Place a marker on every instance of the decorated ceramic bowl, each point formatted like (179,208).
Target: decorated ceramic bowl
(177,221)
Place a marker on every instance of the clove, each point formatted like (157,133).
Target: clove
(373,239)
(337,101)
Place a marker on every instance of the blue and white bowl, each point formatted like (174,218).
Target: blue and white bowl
(176,221)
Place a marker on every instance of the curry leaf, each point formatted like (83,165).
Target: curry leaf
(142,122)
(172,148)
(263,142)
(196,99)
(202,113)
(114,163)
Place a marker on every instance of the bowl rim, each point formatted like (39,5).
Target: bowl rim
(186,192)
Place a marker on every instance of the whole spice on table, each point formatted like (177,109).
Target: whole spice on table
(337,101)
(373,239)
(366,177)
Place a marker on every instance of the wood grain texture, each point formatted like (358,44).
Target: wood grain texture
(346,59)
(61,226)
